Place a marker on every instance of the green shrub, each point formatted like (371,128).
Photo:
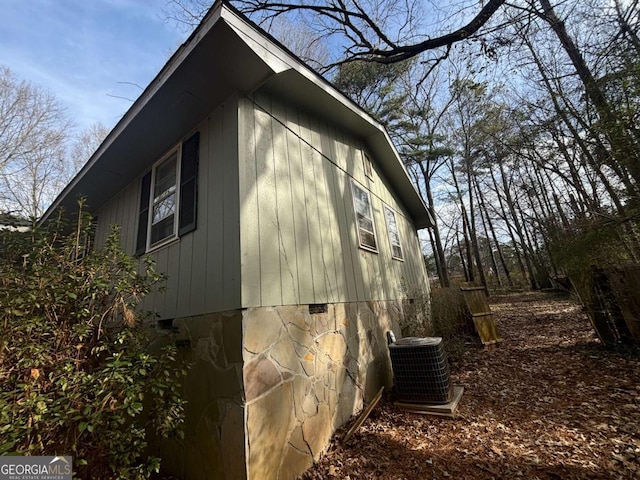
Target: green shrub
(76,374)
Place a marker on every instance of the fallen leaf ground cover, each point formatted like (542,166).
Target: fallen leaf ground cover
(549,402)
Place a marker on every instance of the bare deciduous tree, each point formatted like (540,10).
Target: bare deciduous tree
(384,31)
(84,145)
(34,129)
(292,32)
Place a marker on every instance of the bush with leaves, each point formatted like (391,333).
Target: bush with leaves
(77,374)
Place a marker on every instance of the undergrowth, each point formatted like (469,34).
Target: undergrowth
(76,376)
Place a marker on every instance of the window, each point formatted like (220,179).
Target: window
(364,218)
(168,197)
(163,200)
(368,168)
(394,236)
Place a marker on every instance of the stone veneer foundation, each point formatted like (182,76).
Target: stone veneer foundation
(305,374)
(268,386)
(214,441)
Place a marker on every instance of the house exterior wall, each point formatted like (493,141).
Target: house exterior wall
(296,238)
(214,442)
(298,229)
(305,375)
(202,296)
(276,231)
(203,267)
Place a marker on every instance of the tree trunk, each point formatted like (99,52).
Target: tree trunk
(462,255)
(578,138)
(514,242)
(473,233)
(511,205)
(465,225)
(622,147)
(542,212)
(436,240)
(435,255)
(484,218)
(439,252)
(503,262)
(527,245)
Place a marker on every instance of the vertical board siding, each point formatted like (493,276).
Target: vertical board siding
(202,267)
(285,208)
(350,234)
(342,204)
(173,290)
(162,260)
(326,221)
(276,224)
(319,291)
(184,268)
(340,253)
(229,275)
(344,228)
(378,276)
(211,181)
(298,231)
(249,232)
(198,277)
(304,272)
(132,216)
(268,229)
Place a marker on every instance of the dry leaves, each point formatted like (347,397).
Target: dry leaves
(550,402)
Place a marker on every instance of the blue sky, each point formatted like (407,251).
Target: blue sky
(82,50)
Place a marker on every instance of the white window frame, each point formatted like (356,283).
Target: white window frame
(390,233)
(174,235)
(354,185)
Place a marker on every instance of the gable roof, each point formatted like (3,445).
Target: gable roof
(199,76)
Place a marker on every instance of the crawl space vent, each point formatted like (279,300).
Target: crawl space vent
(316,308)
(421,370)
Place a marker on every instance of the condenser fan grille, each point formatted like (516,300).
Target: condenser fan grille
(421,370)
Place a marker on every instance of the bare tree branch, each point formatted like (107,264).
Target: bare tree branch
(369,41)
(34,129)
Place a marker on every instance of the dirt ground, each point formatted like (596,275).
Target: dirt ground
(550,402)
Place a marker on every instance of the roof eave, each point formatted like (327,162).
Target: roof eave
(179,56)
(265,60)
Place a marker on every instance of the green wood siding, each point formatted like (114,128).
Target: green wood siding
(298,234)
(276,224)
(203,266)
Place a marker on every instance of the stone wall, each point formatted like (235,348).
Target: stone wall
(305,374)
(214,443)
